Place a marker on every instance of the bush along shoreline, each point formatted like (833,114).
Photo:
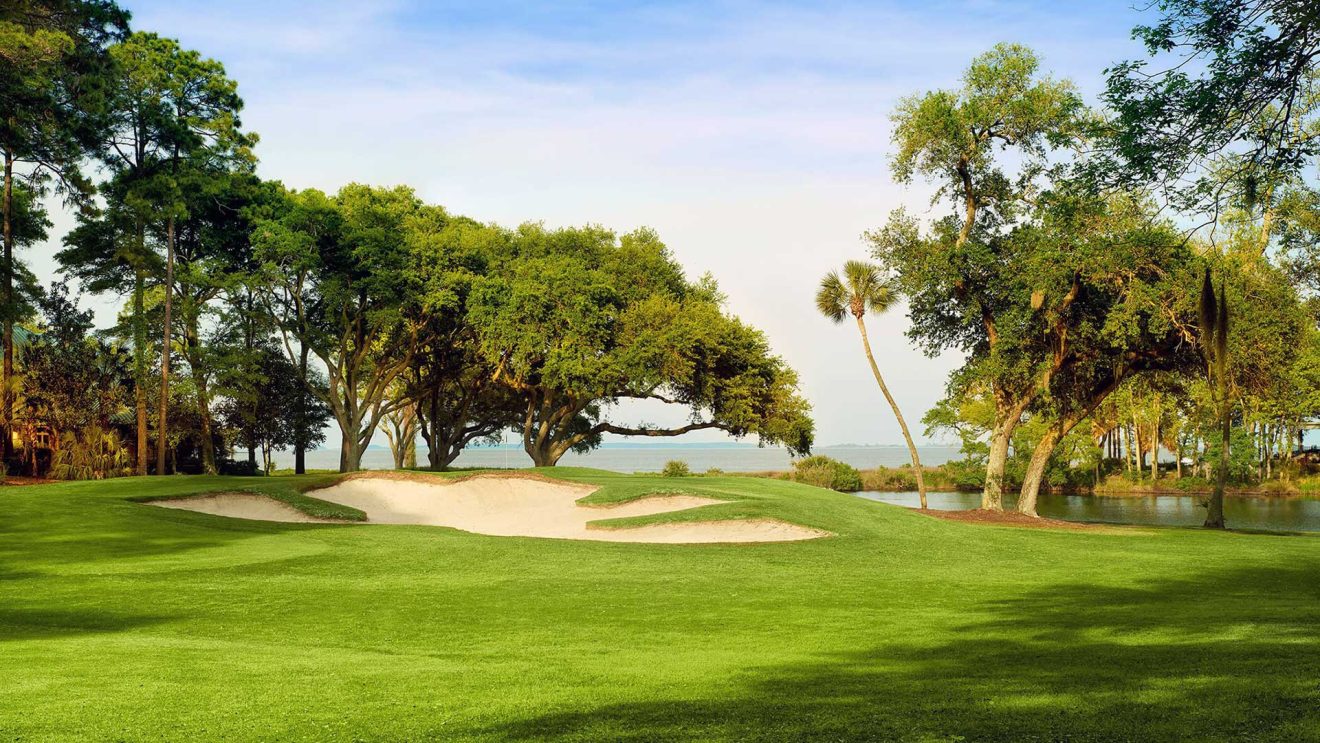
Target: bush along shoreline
(964,476)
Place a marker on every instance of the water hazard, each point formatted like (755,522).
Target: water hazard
(1273,514)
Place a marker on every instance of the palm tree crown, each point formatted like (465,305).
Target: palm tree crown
(861,288)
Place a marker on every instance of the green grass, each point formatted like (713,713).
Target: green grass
(119,621)
(286,490)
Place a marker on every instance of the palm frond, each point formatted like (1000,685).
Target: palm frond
(882,296)
(832,297)
(869,285)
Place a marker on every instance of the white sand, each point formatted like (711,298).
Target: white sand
(241,506)
(506,506)
(528,507)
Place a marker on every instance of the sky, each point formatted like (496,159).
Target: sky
(753,136)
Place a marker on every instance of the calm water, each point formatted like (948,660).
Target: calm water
(630,458)
(1274,514)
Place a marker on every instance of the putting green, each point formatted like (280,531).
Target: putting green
(122,621)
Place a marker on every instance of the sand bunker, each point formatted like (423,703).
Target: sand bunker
(241,506)
(532,507)
(511,506)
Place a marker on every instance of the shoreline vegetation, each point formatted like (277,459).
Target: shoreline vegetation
(952,478)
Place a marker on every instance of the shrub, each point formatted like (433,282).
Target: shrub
(967,475)
(676,468)
(94,454)
(240,468)
(824,472)
(1193,483)
(713,471)
(889,480)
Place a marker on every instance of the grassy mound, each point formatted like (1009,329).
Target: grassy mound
(122,622)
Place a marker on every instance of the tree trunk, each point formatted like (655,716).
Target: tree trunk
(356,426)
(441,451)
(140,365)
(300,438)
(543,455)
(902,424)
(1035,475)
(1214,517)
(396,449)
(6,377)
(1155,452)
(1007,418)
(163,426)
(204,412)
(992,496)
(1268,449)
(1139,448)
(428,412)
(440,456)
(350,453)
(1040,458)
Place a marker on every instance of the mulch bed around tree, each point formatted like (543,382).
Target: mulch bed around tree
(1008,518)
(25,480)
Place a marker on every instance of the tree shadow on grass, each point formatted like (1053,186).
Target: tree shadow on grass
(30,624)
(114,537)
(1226,656)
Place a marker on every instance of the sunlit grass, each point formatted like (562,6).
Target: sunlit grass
(120,621)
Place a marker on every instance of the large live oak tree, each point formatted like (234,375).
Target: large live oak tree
(1124,274)
(451,386)
(340,278)
(577,321)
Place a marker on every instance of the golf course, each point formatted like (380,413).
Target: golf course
(121,620)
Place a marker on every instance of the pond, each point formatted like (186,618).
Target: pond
(1273,514)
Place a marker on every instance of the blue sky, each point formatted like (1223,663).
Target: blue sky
(753,136)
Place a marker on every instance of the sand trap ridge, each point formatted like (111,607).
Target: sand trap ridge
(516,506)
(241,506)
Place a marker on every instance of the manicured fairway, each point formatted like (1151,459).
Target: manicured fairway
(122,621)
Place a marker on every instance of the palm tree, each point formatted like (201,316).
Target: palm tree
(863,288)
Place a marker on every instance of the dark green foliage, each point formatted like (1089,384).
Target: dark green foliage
(1214,117)
(269,408)
(824,472)
(575,320)
(73,385)
(1241,456)
(341,278)
(1208,314)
